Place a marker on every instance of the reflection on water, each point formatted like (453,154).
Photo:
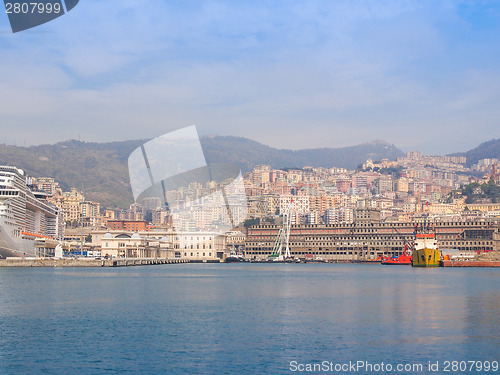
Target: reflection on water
(244,318)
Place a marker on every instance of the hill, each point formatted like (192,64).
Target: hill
(486,150)
(247,153)
(101,168)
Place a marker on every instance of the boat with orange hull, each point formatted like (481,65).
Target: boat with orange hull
(404,259)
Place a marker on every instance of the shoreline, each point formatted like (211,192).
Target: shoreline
(130,262)
(85,262)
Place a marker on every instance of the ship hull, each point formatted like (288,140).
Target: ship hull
(397,263)
(426,258)
(10,247)
(26,217)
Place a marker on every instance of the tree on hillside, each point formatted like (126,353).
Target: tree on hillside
(251,222)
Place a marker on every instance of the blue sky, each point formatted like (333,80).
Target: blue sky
(291,74)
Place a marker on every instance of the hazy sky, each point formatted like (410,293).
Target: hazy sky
(291,74)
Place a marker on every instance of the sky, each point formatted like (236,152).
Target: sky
(423,75)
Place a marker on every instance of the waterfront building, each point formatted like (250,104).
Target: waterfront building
(368,238)
(126,245)
(199,246)
(235,240)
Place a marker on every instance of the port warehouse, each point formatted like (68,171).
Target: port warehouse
(369,238)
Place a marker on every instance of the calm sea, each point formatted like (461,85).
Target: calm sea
(247,319)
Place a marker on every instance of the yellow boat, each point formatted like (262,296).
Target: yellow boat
(425,250)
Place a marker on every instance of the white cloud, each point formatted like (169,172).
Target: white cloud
(345,72)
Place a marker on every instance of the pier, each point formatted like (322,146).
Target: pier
(87,262)
(470,263)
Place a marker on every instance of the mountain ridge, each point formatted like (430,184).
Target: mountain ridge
(247,153)
(101,170)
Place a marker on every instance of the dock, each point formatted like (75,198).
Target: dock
(87,262)
(470,263)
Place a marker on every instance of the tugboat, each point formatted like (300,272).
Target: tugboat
(403,259)
(235,257)
(426,252)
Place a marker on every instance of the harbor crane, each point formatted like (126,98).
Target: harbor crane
(281,245)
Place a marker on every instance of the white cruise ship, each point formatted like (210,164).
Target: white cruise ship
(25,215)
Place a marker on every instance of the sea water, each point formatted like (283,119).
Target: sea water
(245,318)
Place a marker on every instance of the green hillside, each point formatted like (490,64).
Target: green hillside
(101,168)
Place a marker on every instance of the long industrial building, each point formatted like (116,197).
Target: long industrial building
(369,237)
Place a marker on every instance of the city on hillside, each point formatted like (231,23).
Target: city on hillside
(441,188)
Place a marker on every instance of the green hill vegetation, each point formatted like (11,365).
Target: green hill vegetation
(475,191)
(100,168)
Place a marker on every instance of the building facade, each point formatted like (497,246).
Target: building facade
(369,239)
(192,246)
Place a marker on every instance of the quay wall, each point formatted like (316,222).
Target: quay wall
(470,263)
(85,262)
